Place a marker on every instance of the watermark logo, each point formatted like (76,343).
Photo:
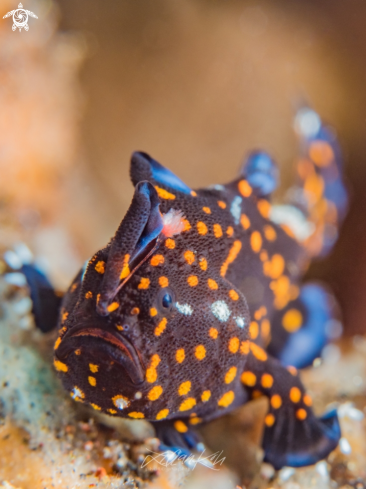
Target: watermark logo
(169,458)
(20,18)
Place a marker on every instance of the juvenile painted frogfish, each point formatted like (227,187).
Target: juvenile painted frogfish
(196,305)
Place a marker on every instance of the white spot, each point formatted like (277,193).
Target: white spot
(12,259)
(348,410)
(322,469)
(138,395)
(16,278)
(240,321)
(285,473)
(170,456)
(344,446)
(235,209)
(307,123)
(121,403)
(76,393)
(221,311)
(294,219)
(173,222)
(216,187)
(185,309)
(24,253)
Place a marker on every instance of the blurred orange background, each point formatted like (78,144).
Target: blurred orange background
(195,83)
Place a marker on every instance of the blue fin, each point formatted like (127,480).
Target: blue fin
(143,167)
(171,439)
(295,443)
(311,318)
(46,303)
(261,172)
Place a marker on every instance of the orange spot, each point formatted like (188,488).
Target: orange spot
(217,230)
(170,243)
(265,328)
(213,333)
(292,370)
(151,374)
(136,415)
(100,267)
(321,153)
(200,352)
(112,411)
(202,263)
(189,257)
(93,367)
(221,204)
(258,352)
(180,426)
(244,221)
(195,420)
(244,347)
(192,280)
(205,396)
(276,401)
(269,233)
(244,188)
(274,267)
(187,404)
(248,378)
(230,231)
(263,255)
(135,311)
(160,327)
(307,400)
(60,366)
(292,320)
(157,260)
(264,208)
(125,268)
(163,281)
(193,193)
(233,345)
(92,381)
(155,393)
(186,225)
(207,210)
(162,414)
(212,284)
(267,381)
(295,394)
(226,399)
(144,283)
(180,355)
(78,351)
(119,327)
(202,228)
(230,375)
(269,420)
(89,295)
(164,194)
(112,307)
(256,241)
(153,312)
(301,414)
(233,295)
(233,253)
(253,330)
(184,388)
(57,343)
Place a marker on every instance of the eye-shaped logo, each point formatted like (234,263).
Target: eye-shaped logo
(20,18)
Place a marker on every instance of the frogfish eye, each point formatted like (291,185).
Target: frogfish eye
(166,301)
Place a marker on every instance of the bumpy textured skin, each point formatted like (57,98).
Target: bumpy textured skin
(174,319)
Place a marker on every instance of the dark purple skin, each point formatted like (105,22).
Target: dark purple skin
(177,328)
